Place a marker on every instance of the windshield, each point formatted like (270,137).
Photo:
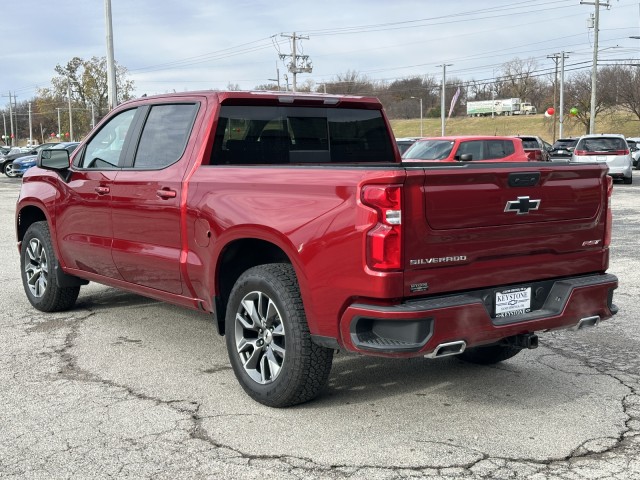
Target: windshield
(429,150)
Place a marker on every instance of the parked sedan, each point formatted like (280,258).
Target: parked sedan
(634,146)
(611,149)
(405,143)
(23,164)
(7,160)
(465,149)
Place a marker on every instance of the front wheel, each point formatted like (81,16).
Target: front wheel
(268,339)
(8,170)
(38,264)
(489,355)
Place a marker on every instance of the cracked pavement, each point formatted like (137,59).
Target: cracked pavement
(123,386)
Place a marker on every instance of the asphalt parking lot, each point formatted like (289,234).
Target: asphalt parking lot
(127,387)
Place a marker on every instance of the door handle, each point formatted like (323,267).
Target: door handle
(102,190)
(166,194)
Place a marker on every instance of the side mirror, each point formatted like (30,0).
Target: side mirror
(465,157)
(53,159)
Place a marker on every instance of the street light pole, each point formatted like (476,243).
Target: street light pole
(442,97)
(419,98)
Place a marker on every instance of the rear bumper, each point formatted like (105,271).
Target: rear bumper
(418,328)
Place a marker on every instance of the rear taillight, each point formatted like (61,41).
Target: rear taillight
(614,152)
(609,222)
(384,238)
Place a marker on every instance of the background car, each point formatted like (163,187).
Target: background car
(405,143)
(611,149)
(634,146)
(534,147)
(562,149)
(7,160)
(464,149)
(23,164)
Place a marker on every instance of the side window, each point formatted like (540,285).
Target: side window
(165,135)
(499,149)
(472,147)
(103,151)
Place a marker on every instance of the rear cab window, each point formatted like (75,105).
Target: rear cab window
(272,135)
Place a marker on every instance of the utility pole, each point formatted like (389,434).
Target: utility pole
(555,57)
(277,79)
(58,123)
(594,68)
(11,118)
(93,116)
(111,69)
(299,63)
(4,120)
(442,96)
(30,128)
(564,55)
(15,112)
(70,117)
(417,98)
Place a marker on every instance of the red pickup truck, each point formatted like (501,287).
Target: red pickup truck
(292,219)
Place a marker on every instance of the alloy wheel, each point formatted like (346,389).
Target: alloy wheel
(260,337)
(36,268)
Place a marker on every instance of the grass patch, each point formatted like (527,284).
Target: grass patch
(617,122)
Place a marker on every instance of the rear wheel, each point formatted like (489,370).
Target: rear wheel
(268,340)
(489,355)
(38,265)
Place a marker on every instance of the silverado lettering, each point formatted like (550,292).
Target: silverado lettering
(292,221)
(426,261)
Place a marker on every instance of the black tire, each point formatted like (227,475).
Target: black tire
(489,355)
(628,181)
(38,265)
(271,351)
(7,168)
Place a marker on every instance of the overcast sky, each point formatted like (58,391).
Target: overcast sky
(183,45)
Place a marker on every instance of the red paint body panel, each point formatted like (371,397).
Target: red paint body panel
(162,233)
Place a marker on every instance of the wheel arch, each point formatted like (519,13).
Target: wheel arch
(237,257)
(27,216)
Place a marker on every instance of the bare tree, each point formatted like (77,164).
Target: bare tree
(628,89)
(578,94)
(480,90)
(402,97)
(352,83)
(518,79)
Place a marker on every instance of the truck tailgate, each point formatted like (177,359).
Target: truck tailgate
(473,225)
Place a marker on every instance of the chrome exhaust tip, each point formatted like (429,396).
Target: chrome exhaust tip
(587,322)
(447,349)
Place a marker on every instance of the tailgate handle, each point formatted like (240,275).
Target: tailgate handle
(524,179)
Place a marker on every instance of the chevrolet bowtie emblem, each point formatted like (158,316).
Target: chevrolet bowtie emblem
(522,206)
